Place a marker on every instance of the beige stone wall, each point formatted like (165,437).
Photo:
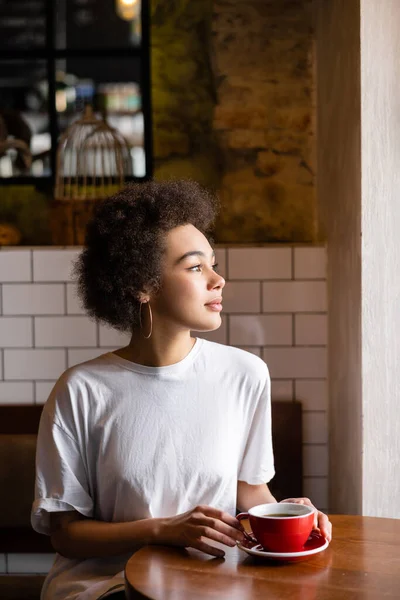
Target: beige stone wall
(236,111)
(264,119)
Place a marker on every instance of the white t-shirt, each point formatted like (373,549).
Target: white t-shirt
(120,441)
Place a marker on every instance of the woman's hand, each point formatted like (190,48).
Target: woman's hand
(322,523)
(193,528)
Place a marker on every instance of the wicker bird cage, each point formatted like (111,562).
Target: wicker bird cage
(93,160)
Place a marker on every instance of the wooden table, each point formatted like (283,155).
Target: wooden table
(361,563)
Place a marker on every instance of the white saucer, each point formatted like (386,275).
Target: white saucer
(315,543)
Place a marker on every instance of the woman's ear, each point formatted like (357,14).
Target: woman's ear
(144,297)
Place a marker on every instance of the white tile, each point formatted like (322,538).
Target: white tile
(317,490)
(242,297)
(16,332)
(315,427)
(2,563)
(261,330)
(220,257)
(218,335)
(64,331)
(33,299)
(30,563)
(53,265)
(252,349)
(15,265)
(311,330)
(259,263)
(315,460)
(296,363)
(34,364)
(312,393)
(294,296)
(77,356)
(310,263)
(112,338)
(282,389)
(16,392)
(74,306)
(42,390)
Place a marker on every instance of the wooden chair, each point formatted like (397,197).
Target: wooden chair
(288,451)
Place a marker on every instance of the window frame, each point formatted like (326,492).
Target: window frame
(50,54)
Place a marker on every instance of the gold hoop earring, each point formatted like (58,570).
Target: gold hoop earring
(151,320)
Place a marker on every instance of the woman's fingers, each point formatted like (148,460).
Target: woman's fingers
(321,520)
(213,534)
(200,545)
(225,517)
(230,532)
(324,525)
(299,501)
(307,502)
(214,524)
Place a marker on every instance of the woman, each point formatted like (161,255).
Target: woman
(160,441)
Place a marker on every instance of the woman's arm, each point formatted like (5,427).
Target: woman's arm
(252,495)
(76,536)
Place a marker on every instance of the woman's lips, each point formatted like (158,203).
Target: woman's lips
(216,306)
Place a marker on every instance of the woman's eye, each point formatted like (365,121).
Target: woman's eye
(198,268)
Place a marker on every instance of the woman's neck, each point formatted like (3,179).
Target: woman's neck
(158,350)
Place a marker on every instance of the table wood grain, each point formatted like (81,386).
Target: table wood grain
(361,563)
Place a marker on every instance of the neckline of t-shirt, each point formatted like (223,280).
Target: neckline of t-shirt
(168,369)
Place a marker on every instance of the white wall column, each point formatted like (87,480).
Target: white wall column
(358,133)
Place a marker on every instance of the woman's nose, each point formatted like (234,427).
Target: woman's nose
(218,282)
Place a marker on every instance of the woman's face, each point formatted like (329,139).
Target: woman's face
(191,289)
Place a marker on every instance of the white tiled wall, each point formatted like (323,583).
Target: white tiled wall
(274,306)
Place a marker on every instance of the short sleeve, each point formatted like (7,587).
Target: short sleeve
(257,464)
(61,479)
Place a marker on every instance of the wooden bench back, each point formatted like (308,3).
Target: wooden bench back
(18,433)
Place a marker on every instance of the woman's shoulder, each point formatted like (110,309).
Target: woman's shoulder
(91,369)
(243,361)
(77,383)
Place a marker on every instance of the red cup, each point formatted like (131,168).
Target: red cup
(280,527)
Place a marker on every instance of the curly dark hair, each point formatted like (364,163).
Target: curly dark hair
(124,245)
